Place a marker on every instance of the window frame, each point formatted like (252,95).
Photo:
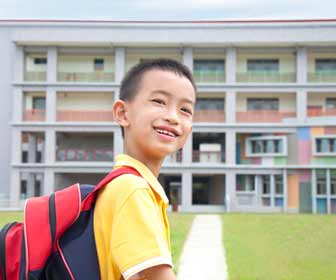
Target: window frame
(248,146)
(314,146)
(263,62)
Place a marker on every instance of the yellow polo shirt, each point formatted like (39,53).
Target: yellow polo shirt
(130,223)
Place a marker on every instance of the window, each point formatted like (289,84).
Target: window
(262,65)
(266,145)
(200,192)
(325,145)
(262,104)
(245,183)
(321,182)
(216,104)
(24,156)
(39,103)
(266,184)
(23,189)
(331,103)
(325,65)
(278,184)
(209,65)
(98,64)
(40,60)
(333,181)
(37,188)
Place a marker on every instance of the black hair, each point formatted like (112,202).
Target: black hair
(131,82)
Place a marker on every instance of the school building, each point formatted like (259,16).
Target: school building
(264,135)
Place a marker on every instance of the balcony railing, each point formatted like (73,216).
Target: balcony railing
(322,77)
(84,155)
(34,115)
(209,116)
(35,76)
(175,157)
(87,77)
(320,112)
(84,116)
(209,76)
(264,116)
(266,77)
(208,156)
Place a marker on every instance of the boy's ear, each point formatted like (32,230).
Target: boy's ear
(120,113)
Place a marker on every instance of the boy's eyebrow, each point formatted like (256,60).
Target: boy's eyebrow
(169,94)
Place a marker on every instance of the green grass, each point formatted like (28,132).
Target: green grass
(179,228)
(8,217)
(280,247)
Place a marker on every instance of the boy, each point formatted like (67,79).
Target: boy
(131,228)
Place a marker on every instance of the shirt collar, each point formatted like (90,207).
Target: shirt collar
(145,172)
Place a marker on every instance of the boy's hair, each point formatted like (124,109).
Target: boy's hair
(132,80)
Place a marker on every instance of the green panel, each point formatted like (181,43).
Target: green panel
(305,198)
(324,160)
(280,160)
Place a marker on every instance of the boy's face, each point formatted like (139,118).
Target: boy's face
(164,104)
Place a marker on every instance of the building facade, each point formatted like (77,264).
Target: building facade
(264,134)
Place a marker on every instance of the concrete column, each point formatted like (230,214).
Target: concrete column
(18,108)
(230,107)
(31,185)
(187,150)
(51,104)
(314,191)
(16,146)
(50,144)
(52,65)
(272,181)
(15,183)
(188,59)
(301,105)
(230,147)
(230,65)
(48,182)
(285,190)
(230,186)
(186,191)
(19,64)
(258,190)
(120,62)
(328,192)
(32,147)
(301,65)
(118,145)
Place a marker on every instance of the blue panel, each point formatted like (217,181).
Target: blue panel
(304,133)
(279,202)
(238,153)
(322,205)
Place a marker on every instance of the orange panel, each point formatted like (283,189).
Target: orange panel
(317,131)
(293,191)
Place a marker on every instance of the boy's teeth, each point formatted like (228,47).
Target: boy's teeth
(166,132)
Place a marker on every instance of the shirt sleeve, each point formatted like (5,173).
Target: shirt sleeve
(138,237)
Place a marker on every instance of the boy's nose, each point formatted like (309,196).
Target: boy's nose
(171,116)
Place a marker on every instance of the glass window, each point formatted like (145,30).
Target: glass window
(325,65)
(245,183)
(98,64)
(200,192)
(216,104)
(249,183)
(202,65)
(40,60)
(333,181)
(255,65)
(263,104)
(23,189)
(39,103)
(266,184)
(331,103)
(278,184)
(321,181)
(267,146)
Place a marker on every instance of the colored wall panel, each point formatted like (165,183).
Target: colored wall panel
(330,130)
(304,133)
(321,205)
(317,131)
(325,160)
(305,152)
(292,146)
(305,176)
(305,198)
(255,160)
(280,161)
(293,191)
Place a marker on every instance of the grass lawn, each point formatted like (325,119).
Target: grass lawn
(280,246)
(179,228)
(11,216)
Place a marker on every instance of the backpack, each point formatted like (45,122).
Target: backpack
(56,239)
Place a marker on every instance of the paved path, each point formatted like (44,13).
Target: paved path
(203,256)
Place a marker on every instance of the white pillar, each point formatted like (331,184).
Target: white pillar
(18,108)
(19,64)
(15,184)
(301,105)
(31,184)
(52,65)
(328,192)
(119,64)
(258,190)
(51,104)
(272,181)
(188,59)
(230,189)
(118,145)
(230,147)
(187,150)
(32,147)
(314,191)
(16,146)
(230,65)
(50,143)
(285,190)
(230,106)
(186,191)
(301,65)
(48,182)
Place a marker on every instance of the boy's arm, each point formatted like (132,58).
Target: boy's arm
(159,272)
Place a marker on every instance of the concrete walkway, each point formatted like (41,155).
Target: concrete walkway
(203,256)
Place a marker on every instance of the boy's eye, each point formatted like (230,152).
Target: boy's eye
(187,111)
(159,101)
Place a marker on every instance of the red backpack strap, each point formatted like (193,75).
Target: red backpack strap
(87,202)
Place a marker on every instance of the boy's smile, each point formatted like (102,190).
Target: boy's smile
(159,118)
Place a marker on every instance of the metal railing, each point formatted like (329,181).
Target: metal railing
(84,115)
(266,77)
(209,76)
(35,76)
(88,77)
(208,157)
(209,116)
(84,155)
(322,77)
(319,111)
(264,116)
(34,115)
